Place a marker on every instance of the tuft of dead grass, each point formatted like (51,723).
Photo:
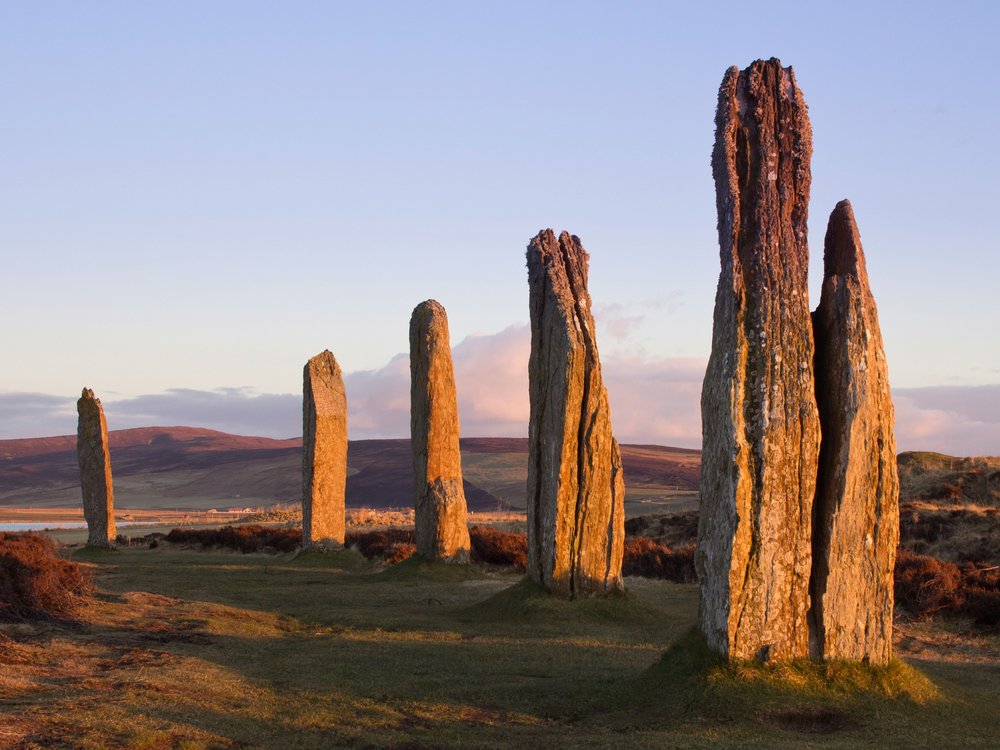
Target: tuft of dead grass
(248,538)
(35,583)
(492,546)
(650,559)
(925,586)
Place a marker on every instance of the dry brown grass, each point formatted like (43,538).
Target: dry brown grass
(649,558)
(962,533)
(248,539)
(925,586)
(496,547)
(35,583)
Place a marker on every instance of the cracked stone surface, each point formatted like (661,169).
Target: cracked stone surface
(94,457)
(441,527)
(856,512)
(760,423)
(324,453)
(576,491)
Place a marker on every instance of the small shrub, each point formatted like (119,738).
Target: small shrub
(389,545)
(925,586)
(246,539)
(35,583)
(495,547)
(399,552)
(648,558)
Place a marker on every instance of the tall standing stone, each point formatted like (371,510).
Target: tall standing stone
(856,512)
(324,453)
(760,426)
(576,491)
(442,532)
(94,457)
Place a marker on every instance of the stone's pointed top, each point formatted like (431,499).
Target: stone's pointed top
(566,254)
(428,307)
(324,362)
(88,400)
(575,486)
(544,236)
(842,251)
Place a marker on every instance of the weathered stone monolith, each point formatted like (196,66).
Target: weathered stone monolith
(576,491)
(442,532)
(856,512)
(760,426)
(94,457)
(324,453)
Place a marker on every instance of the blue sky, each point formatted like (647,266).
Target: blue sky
(200,196)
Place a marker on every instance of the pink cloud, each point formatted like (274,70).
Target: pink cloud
(959,420)
(652,401)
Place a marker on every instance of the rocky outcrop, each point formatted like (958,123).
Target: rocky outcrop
(760,423)
(441,532)
(94,457)
(856,512)
(576,521)
(324,453)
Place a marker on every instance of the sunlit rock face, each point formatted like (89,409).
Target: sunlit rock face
(760,424)
(442,531)
(324,453)
(576,491)
(856,512)
(94,458)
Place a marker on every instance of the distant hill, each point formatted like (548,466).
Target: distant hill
(188,467)
(936,477)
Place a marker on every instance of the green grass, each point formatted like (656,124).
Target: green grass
(213,650)
(416,569)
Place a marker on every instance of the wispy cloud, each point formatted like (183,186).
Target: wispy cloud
(960,420)
(652,401)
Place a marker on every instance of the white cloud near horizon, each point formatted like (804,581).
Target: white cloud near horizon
(653,401)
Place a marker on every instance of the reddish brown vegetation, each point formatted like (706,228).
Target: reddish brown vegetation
(390,545)
(648,558)
(35,583)
(495,547)
(926,586)
(249,538)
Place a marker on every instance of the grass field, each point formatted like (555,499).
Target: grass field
(185,649)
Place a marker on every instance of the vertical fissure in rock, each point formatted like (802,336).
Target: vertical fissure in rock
(576,521)
(440,513)
(753,450)
(856,509)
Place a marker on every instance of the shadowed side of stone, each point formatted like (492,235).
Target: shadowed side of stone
(856,511)
(760,424)
(576,524)
(94,457)
(441,528)
(324,453)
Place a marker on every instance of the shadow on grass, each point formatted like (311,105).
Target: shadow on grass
(417,569)
(692,683)
(526,601)
(345,560)
(88,553)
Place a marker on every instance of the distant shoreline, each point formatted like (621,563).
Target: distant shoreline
(122,515)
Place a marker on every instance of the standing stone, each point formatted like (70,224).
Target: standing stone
(576,491)
(442,532)
(324,453)
(760,426)
(94,457)
(856,512)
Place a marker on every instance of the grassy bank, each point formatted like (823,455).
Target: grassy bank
(193,649)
